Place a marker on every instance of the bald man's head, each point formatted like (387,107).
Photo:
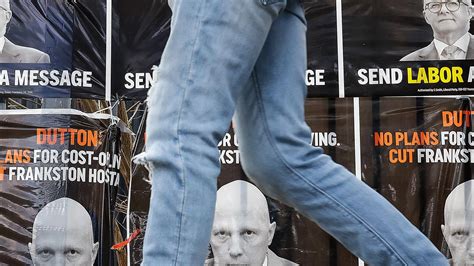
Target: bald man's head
(242,231)
(458,229)
(63,235)
(240,197)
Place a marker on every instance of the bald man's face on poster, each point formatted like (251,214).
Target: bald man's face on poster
(458,229)
(62,235)
(242,231)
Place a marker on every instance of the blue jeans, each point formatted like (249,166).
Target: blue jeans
(249,56)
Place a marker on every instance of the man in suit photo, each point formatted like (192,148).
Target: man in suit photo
(450,22)
(242,231)
(13,53)
(458,228)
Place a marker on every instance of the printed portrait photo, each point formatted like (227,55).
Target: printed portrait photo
(63,235)
(242,231)
(458,227)
(450,23)
(11,52)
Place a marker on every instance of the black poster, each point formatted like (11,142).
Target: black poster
(294,237)
(52,48)
(59,175)
(407,48)
(141,29)
(415,152)
(321,39)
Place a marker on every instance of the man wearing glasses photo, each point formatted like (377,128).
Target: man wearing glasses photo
(450,23)
(13,53)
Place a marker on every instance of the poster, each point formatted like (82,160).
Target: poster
(59,175)
(57,48)
(387,48)
(295,238)
(321,38)
(141,29)
(418,150)
(400,48)
(52,48)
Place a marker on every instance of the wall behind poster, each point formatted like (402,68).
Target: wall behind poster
(376,35)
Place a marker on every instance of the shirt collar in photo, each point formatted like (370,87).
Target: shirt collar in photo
(265,262)
(462,43)
(2,44)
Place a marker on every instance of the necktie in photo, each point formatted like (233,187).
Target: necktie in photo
(450,52)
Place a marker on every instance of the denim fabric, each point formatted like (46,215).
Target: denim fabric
(250,56)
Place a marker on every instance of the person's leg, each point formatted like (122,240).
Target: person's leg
(209,56)
(274,141)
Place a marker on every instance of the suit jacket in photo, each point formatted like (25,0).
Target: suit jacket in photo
(272,260)
(13,53)
(430,53)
